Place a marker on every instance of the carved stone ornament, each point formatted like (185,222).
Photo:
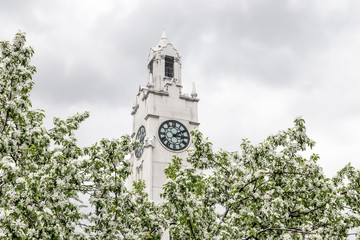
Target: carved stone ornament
(149,141)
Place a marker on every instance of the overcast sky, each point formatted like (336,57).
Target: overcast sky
(257,65)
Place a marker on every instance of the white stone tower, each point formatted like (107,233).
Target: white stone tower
(162,118)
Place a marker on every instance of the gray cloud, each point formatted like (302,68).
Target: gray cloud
(64,85)
(257,64)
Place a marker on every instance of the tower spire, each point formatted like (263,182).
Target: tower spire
(163,41)
(193,92)
(164,65)
(163,35)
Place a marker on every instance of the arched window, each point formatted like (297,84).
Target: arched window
(169,66)
(151,66)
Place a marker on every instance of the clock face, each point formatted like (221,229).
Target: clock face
(174,135)
(140,137)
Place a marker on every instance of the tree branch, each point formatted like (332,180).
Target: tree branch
(222,219)
(191,229)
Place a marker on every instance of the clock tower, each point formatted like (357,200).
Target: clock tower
(163,116)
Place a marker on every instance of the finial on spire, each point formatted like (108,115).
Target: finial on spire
(193,92)
(163,35)
(163,41)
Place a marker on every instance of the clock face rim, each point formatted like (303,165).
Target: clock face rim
(141,142)
(168,147)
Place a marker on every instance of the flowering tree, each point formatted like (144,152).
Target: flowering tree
(42,171)
(268,191)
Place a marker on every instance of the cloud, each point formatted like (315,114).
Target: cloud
(257,64)
(78,83)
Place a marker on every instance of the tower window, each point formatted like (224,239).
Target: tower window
(169,66)
(151,66)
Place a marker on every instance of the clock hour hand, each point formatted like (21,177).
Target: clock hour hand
(178,134)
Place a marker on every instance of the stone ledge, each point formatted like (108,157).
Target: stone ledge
(194,123)
(151,115)
(187,98)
